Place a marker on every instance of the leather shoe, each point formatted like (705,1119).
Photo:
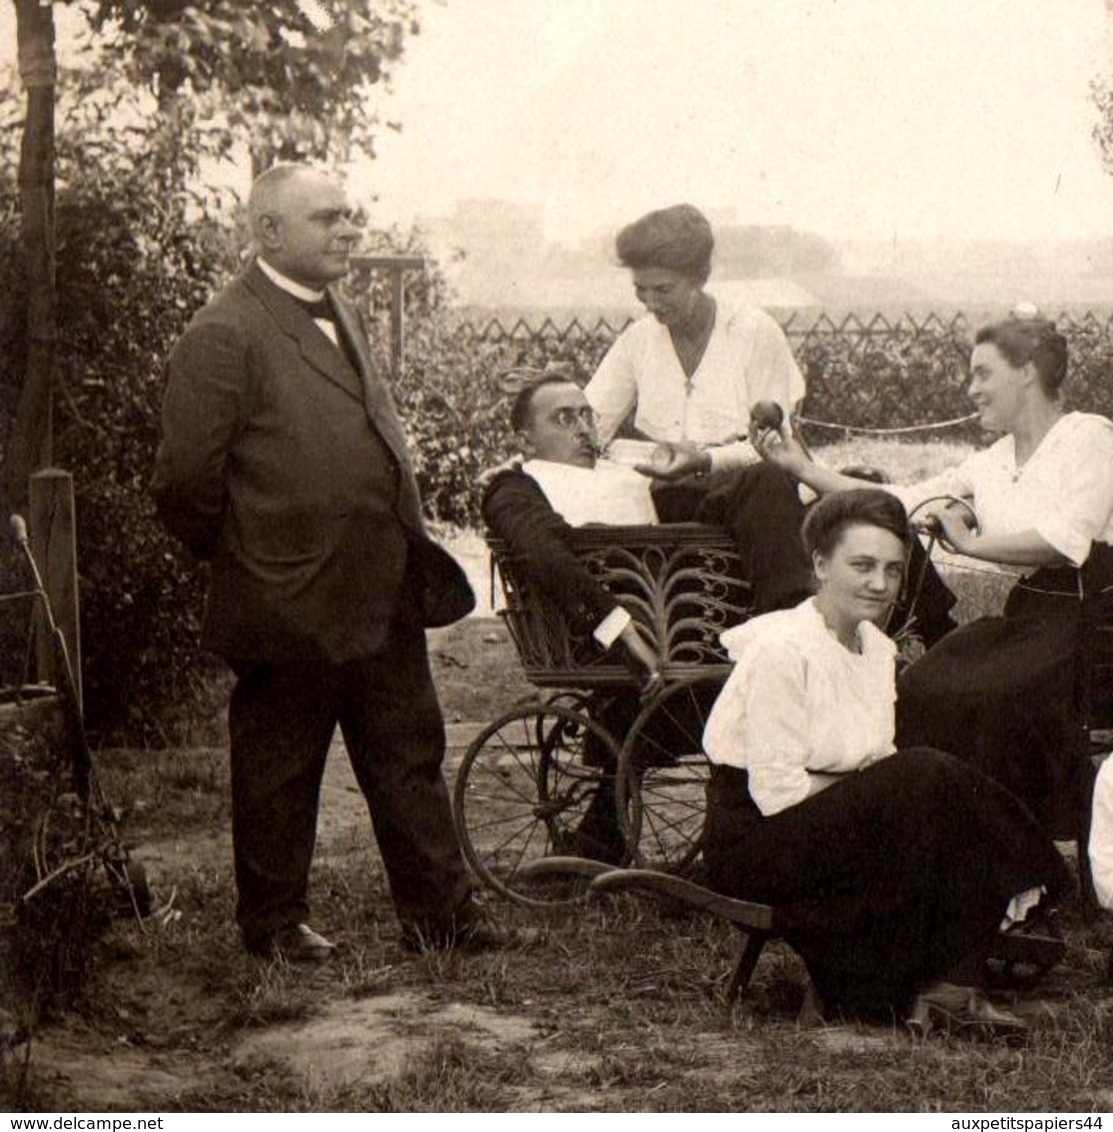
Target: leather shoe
(964,1012)
(473,929)
(485,933)
(578,843)
(296,943)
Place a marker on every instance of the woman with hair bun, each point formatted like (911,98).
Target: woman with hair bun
(689,372)
(692,372)
(1001,691)
(891,869)
(692,368)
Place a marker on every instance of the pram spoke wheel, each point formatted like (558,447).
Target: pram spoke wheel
(524,789)
(662,776)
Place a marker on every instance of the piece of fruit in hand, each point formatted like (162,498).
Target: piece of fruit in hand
(767,415)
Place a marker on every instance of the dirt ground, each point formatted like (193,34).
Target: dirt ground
(173,1037)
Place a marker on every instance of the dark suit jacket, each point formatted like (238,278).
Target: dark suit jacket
(286,465)
(517,511)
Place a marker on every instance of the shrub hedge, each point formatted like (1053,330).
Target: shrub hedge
(134,262)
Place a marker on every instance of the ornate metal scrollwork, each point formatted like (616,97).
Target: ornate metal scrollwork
(681,583)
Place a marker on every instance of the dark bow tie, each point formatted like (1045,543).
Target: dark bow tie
(318,308)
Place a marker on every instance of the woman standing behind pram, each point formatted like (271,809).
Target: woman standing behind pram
(690,372)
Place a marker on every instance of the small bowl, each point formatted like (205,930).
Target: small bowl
(630,452)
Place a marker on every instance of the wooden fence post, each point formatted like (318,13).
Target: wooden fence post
(52,529)
(396,266)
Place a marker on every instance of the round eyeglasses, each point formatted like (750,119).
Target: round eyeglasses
(569,417)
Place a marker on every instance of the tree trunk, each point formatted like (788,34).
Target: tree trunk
(30,447)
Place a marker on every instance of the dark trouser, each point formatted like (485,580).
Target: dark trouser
(760,507)
(892,877)
(282,718)
(598,833)
(1003,693)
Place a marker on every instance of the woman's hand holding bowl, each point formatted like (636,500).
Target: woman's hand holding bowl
(674,461)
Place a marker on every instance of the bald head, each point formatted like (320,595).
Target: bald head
(270,190)
(301,223)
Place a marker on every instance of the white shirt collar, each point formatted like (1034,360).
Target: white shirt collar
(607,493)
(287,284)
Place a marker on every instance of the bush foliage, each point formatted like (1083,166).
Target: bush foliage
(911,375)
(132,271)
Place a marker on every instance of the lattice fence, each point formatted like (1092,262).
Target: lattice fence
(865,370)
(860,327)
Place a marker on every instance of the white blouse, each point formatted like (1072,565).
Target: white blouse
(798,704)
(1064,491)
(747,360)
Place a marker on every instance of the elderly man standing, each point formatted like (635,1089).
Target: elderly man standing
(283,462)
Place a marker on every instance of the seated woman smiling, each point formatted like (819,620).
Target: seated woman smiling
(893,870)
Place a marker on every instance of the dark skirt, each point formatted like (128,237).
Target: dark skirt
(1002,693)
(892,877)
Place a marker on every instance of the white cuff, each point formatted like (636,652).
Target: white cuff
(611,627)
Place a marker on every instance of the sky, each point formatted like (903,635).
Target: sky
(901,120)
(871,119)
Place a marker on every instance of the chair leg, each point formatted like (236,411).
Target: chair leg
(748,955)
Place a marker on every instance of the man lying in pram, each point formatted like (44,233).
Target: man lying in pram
(563,483)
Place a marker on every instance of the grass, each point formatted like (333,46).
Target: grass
(624,1002)
(619,1007)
